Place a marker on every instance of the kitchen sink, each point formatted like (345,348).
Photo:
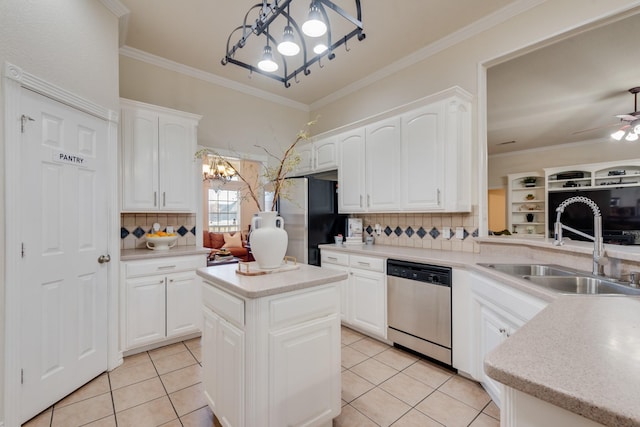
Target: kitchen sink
(582,285)
(564,279)
(531,269)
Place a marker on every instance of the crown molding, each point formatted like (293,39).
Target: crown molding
(452,39)
(158,61)
(115,7)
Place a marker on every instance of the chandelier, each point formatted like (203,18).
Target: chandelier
(218,169)
(297,46)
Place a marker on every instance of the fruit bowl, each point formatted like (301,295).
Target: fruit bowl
(161,242)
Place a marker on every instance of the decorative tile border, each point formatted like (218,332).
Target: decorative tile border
(133,227)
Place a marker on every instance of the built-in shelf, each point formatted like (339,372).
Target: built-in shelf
(519,206)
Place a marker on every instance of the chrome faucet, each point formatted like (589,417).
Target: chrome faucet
(598,245)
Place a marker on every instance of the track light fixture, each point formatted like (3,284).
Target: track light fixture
(300,46)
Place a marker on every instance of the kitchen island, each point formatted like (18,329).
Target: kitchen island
(271,346)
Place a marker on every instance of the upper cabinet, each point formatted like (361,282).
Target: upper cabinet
(158,168)
(317,155)
(415,161)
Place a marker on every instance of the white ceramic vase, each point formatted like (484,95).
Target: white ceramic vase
(268,240)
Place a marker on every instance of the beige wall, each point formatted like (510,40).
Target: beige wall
(72,44)
(231,120)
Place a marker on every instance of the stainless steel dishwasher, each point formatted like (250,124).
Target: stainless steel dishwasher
(419,308)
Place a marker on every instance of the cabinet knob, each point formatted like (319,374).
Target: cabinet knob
(502,330)
(104,258)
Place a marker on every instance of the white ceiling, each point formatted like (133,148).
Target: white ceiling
(195,33)
(540,98)
(566,92)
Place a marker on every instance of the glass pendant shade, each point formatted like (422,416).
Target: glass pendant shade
(267,63)
(618,135)
(319,48)
(314,26)
(288,47)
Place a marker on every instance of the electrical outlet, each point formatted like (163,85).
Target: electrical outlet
(459,233)
(446,233)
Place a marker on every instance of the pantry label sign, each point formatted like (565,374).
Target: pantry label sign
(71,159)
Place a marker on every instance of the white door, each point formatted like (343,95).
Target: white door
(63,294)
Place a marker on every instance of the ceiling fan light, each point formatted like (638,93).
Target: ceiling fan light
(288,47)
(618,135)
(636,129)
(267,63)
(320,48)
(314,26)
(632,136)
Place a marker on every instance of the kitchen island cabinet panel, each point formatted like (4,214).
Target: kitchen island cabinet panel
(279,365)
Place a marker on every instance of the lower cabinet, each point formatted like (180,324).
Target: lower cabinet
(272,361)
(498,311)
(363,293)
(161,300)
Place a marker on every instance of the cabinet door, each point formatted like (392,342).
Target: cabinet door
(176,142)
(351,173)
(325,154)
(139,160)
(383,165)
(494,329)
(423,133)
(368,301)
(229,367)
(210,357)
(305,151)
(303,393)
(183,303)
(145,310)
(343,285)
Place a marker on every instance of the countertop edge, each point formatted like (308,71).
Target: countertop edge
(291,283)
(141,254)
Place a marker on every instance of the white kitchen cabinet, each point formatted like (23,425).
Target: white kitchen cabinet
(369,172)
(418,160)
(317,155)
(325,154)
(423,158)
(351,172)
(256,354)
(498,312)
(304,150)
(225,355)
(158,168)
(363,293)
(160,300)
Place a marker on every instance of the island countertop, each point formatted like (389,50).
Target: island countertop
(305,276)
(581,353)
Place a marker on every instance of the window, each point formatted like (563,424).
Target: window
(224,210)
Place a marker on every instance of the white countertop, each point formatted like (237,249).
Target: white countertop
(581,353)
(137,254)
(305,276)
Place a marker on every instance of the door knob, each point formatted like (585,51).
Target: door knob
(104,258)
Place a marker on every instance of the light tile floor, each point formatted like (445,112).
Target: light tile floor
(381,386)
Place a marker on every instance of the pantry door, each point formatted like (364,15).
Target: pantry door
(63,294)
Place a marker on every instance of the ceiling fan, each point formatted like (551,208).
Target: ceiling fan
(631,129)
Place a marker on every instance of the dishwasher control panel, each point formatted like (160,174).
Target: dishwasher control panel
(420,272)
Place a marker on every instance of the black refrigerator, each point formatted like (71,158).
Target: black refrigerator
(310,214)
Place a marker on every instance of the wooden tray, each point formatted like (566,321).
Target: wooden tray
(252,268)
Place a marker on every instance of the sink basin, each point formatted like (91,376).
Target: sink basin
(531,269)
(582,285)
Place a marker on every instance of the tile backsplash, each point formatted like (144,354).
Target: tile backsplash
(133,227)
(424,230)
